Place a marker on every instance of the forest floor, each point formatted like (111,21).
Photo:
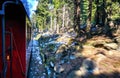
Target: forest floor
(105,55)
(65,56)
(97,57)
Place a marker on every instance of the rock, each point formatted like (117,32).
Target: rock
(88,65)
(98,40)
(52,64)
(72,33)
(109,46)
(58,68)
(114,53)
(58,56)
(75,74)
(61,52)
(48,71)
(100,43)
(71,30)
(50,48)
(118,31)
(82,71)
(61,48)
(72,57)
(65,38)
(117,38)
(93,30)
(62,61)
(118,48)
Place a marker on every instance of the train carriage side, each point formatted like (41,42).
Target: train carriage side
(16,31)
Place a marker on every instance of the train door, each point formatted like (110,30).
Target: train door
(7,60)
(9,52)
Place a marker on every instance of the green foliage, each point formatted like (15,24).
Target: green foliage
(44,12)
(114,7)
(84,10)
(56,4)
(93,11)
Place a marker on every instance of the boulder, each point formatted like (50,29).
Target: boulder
(109,46)
(58,68)
(117,39)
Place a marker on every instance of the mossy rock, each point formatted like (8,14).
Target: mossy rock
(62,48)
(67,40)
(48,60)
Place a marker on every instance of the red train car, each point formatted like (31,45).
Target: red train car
(15,32)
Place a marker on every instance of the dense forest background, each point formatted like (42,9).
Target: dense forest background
(83,15)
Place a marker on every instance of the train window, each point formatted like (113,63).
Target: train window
(28,32)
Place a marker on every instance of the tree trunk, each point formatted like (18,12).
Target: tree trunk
(55,21)
(63,24)
(57,28)
(90,10)
(89,17)
(51,23)
(77,16)
(104,13)
(97,13)
(67,18)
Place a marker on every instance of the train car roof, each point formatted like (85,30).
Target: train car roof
(30,6)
